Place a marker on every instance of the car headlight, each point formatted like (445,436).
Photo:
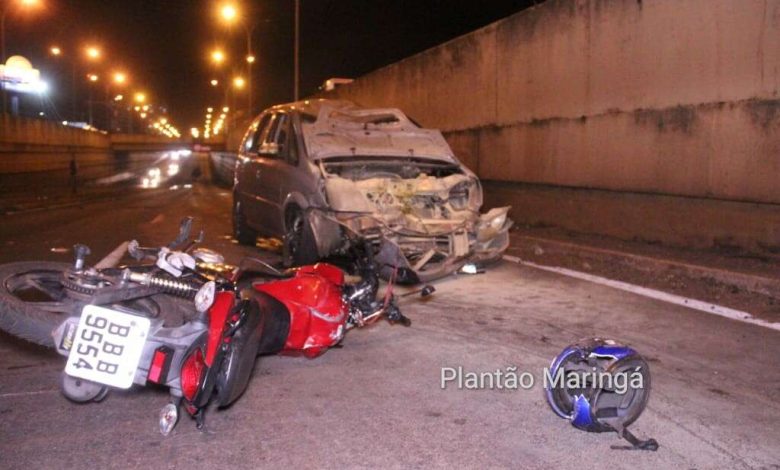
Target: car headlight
(459,195)
(491,223)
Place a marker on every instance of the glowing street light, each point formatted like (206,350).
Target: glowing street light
(139,97)
(228,12)
(120,78)
(214,82)
(250,59)
(217,56)
(239,82)
(55,51)
(92,77)
(119,98)
(93,53)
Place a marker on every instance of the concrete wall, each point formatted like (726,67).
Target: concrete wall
(29,145)
(668,97)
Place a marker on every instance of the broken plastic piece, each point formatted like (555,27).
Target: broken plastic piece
(470,268)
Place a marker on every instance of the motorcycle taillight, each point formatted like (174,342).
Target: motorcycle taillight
(191,373)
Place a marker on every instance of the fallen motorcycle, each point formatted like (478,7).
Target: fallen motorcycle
(182,318)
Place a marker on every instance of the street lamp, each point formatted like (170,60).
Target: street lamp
(229,14)
(140,97)
(214,82)
(26,4)
(239,83)
(218,56)
(93,78)
(55,51)
(92,53)
(120,78)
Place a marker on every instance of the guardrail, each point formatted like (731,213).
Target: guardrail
(223,166)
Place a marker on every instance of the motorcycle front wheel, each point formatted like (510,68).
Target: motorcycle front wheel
(34,301)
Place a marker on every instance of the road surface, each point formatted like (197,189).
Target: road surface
(377,402)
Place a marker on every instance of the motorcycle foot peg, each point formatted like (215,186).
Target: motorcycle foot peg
(169,416)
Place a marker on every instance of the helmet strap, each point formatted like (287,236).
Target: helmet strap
(636,443)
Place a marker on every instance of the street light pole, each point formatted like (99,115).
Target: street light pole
(2,56)
(249,60)
(297,48)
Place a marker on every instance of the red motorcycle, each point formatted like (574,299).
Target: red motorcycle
(135,324)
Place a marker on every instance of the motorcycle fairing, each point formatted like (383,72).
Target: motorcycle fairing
(315,303)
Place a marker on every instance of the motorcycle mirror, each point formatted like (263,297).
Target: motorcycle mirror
(80,253)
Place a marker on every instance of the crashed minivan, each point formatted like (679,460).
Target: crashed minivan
(321,174)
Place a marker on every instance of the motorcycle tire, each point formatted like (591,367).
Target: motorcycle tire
(299,247)
(242,232)
(31,290)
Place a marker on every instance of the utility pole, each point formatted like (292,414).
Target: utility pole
(2,56)
(297,49)
(249,60)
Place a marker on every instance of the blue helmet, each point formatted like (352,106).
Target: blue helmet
(600,385)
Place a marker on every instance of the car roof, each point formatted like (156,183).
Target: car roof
(312,107)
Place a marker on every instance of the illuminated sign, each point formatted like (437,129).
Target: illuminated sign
(18,74)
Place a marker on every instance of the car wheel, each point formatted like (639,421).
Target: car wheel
(299,245)
(242,232)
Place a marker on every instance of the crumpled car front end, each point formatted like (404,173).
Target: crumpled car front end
(422,215)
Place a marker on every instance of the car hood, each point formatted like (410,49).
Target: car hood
(381,132)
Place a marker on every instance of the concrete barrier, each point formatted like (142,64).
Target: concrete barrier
(31,145)
(629,97)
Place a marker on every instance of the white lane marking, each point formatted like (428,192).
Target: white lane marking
(24,394)
(714,309)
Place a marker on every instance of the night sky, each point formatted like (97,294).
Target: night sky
(164,44)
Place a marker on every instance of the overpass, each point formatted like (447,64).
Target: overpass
(145,143)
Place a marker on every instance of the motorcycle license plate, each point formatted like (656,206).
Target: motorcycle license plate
(107,346)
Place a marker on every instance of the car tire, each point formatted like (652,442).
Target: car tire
(242,232)
(300,247)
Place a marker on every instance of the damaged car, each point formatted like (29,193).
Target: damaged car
(321,173)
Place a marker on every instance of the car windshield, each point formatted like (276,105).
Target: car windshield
(359,168)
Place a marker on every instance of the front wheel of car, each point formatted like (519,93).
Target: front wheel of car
(300,247)
(242,232)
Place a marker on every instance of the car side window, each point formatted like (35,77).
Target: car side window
(275,140)
(292,144)
(252,142)
(267,138)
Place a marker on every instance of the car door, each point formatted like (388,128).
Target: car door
(267,187)
(249,169)
(287,168)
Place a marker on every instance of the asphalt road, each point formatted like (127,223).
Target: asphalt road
(377,402)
